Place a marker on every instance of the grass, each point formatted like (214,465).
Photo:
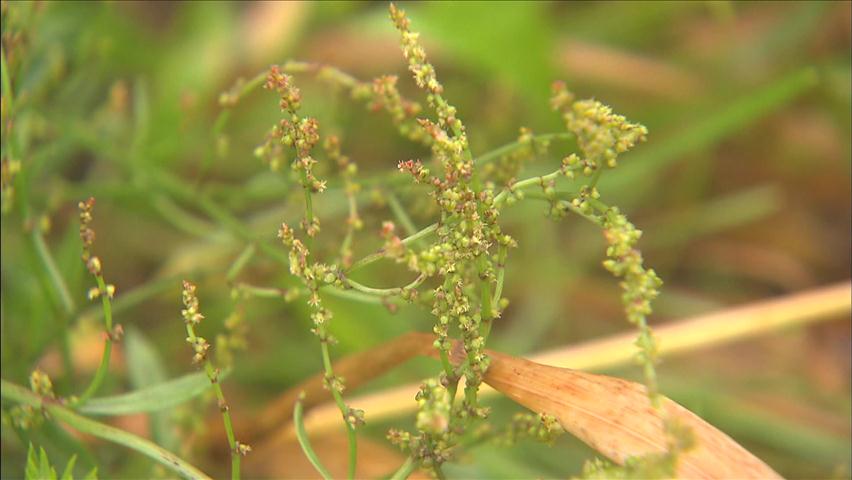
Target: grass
(122,102)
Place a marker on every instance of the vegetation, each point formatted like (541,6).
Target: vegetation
(424,202)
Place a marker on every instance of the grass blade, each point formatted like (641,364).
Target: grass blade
(151,399)
(19,394)
(305,443)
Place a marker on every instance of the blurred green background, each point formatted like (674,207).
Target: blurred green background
(743,191)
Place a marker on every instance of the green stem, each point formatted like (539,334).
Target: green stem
(405,470)
(309,209)
(242,260)
(485,294)
(344,410)
(529,182)
(502,253)
(103,368)
(56,279)
(304,441)
(401,214)
(213,375)
(374,257)
(85,425)
(65,299)
(6,80)
(385,292)
(510,147)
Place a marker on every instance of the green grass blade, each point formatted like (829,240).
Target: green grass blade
(305,443)
(151,399)
(19,394)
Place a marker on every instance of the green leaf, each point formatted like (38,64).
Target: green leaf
(151,399)
(19,394)
(38,466)
(68,474)
(305,443)
(145,369)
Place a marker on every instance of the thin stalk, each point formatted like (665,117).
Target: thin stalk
(344,410)
(486,306)
(405,470)
(400,214)
(305,442)
(385,292)
(261,292)
(242,260)
(502,253)
(103,368)
(6,80)
(309,209)
(224,116)
(374,257)
(213,375)
(19,394)
(66,301)
(529,182)
(510,147)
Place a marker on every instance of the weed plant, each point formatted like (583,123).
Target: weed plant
(425,239)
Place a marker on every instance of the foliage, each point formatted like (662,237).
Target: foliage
(450,241)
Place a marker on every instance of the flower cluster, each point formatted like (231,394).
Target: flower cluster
(540,427)
(41,384)
(432,446)
(193,317)
(462,255)
(640,285)
(87,236)
(385,96)
(300,134)
(601,134)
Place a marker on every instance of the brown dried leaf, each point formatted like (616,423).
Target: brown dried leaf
(615,417)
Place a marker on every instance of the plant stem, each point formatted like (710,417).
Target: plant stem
(56,279)
(502,253)
(213,375)
(344,410)
(502,196)
(404,470)
(401,214)
(65,299)
(509,147)
(103,368)
(305,442)
(309,210)
(485,301)
(241,261)
(86,425)
(374,257)
(385,292)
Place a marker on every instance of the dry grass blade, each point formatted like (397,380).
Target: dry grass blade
(615,417)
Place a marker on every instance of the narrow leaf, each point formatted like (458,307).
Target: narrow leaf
(305,443)
(151,399)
